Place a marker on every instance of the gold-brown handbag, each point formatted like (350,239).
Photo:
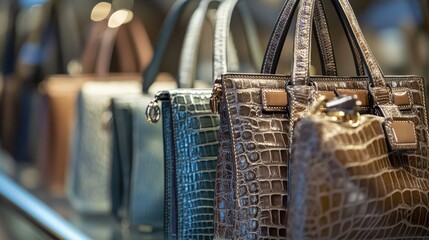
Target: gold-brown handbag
(351,180)
(258,113)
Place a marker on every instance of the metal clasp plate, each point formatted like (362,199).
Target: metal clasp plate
(343,109)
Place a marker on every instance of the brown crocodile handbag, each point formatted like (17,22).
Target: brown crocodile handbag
(351,180)
(257,117)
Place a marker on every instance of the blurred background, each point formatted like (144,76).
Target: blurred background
(40,38)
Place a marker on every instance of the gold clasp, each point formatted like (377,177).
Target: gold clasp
(343,109)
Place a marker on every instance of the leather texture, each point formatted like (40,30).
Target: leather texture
(190,144)
(190,147)
(252,186)
(90,161)
(138,188)
(190,158)
(346,184)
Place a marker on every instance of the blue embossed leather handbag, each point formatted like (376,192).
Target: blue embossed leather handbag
(190,136)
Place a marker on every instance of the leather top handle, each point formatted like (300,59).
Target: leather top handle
(129,38)
(151,72)
(105,52)
(134,47)
(222,30)
(190,49)
(348,17)
(321,32)
(89,54)
(277,40)
(302,43)
(221,37)
(191,42)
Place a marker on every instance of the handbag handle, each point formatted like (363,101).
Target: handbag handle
(134,47)
(301,56)
(139,44)
(224,19)
(185,78)
(222,31)
(131,38)
(192,41)
(150,73)
(89,54)
(277,40)
(221,36)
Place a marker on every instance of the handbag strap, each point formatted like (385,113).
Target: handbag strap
(134,47)
(105,52)
(69,32)
(189,54)
(301,56)
(224,19)
(150,73)
(131,38)
(89,53)
(277,40)
(222,30)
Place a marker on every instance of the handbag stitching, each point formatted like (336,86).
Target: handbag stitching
(265,102)
(395,143)
(410,100)
(234,78)
(231,132)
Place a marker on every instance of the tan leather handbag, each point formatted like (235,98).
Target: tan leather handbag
(258,113)
(134,51)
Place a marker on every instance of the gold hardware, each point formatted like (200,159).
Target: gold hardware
(153,113)
(214,99)
(344,110)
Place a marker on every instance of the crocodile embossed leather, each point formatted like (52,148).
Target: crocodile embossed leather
(252,186)
(347,184)
(190,149)
(190,143)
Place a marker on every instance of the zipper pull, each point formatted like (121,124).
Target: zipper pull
(215,98)
(153,112)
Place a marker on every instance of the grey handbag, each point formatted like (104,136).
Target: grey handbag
(190,141)
(137,183)
(89,173)
(90,163)
(137,165)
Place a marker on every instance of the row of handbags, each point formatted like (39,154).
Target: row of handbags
(367,181)
(237,162)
